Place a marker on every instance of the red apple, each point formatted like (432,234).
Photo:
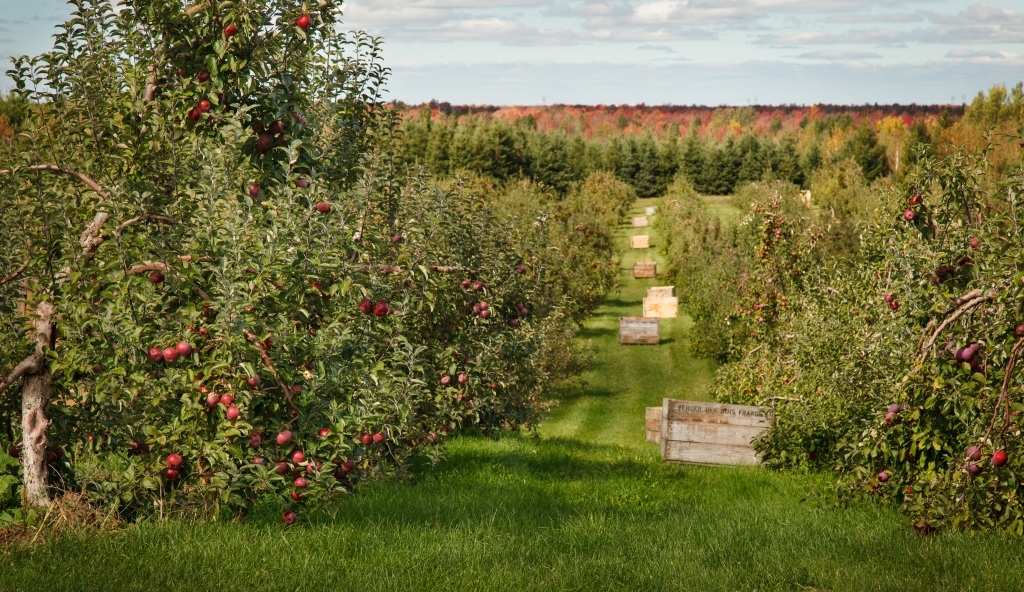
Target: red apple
(301,183)
(348,466)
(284,438)
(296,389)
(296,496)
(915,200)
(974,468)
(379,437)
(281,468)
(883,476)
(890,417)
(175,460)
(365,438)
(380,309)
(908,215)
(999,458)
(184,348)
(255,440)
(171,474)
(366,306)
(446,379)
(264,143)
(155,355)
(485,314)
(227,400)
(205,105)
(974,453)
(254,190)
(233,413)
(203,76)
(212,399)
(477,286)
(194,114)
(298,456)
(974,243)
(1020,329)
(156,277)
(259,460)
(513,323)
(300,482)
(230,30)
(463,379)
(289,517)
(520,268)
(324,432)
(170,355)
(253,381)
(396,239)
(303,22)
(323,207)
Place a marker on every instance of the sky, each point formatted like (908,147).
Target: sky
(710,52)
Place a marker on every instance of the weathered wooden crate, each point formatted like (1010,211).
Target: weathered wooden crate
(661,292)
(645,269)
(639,331)
(711,433)
(649,211)
(653,421)
(641,241)
(662,308)
(639,221)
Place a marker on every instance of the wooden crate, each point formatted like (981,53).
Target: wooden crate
(711,433)
(639,331)
(662,308)
(661,292)
(645,269)
(649,211)
(653,421)
(639,221)
(641,241)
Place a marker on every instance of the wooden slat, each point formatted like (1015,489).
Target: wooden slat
(708,454)
(712,433)
(641,241)
(639,331)
(645,269)
(653,421)
(662,308)
(705,412)
(639,221)
(661,292)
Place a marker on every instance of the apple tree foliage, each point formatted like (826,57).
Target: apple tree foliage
(895,363)
(219,286)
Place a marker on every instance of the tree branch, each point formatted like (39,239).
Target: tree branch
(147,266)
(968,305)
(15,275)
(30,365)
(52,168)
(270,366)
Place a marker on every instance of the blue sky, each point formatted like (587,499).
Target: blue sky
(666,51)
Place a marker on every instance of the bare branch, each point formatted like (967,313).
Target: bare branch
(956,315)
(15,275)
(147,266)
(132,221)
(30,365)
(52,168)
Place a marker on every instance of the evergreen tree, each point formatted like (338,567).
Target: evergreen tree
(864,149)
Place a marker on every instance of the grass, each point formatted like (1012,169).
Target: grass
(588,506)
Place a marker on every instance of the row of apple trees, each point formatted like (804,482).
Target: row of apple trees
(219,288)
(885,326)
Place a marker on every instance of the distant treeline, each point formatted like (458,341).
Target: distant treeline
(718,149)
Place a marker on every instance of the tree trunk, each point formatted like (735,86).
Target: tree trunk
(35,404)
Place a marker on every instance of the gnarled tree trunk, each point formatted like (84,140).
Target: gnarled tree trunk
(35,404)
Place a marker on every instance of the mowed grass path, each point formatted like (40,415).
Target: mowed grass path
(587,506)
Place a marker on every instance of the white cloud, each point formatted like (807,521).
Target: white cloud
(838,55)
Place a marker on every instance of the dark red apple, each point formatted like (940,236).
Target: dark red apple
(194,114)
(254,190)
(915,200)
(255,440)
(184,348)
(365,438)
(170,355)
(323,207)
(233,413)
(175,460)
(156,277)
(253,381)
(171,474)
(284,438)
(1020,329)
(380,309)
(205,105)
(974,243)
(303,22)
(366,306)
(301,183)
(296,389)
(396,239)
(894,305)
(264,143)
(281,468)
(513,323)
(296,496)
(520,268)
(999,458)
(156,355)
(289,517)
(889,298)
(812,456)
(477,286)
(348,465)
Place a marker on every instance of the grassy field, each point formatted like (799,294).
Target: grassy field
(587,506)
